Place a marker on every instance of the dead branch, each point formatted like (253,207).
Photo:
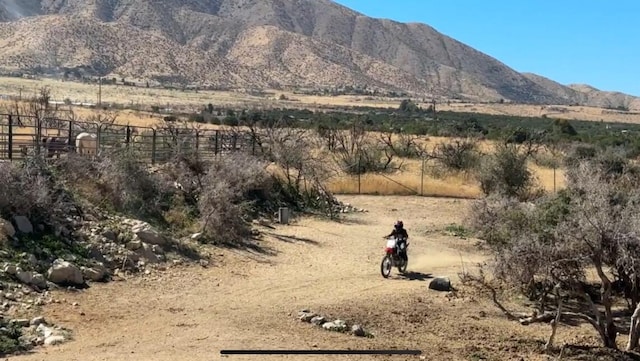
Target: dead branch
(480,282)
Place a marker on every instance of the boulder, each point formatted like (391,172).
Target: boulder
(147,253)
(7,228)
(441,284)
(318,320)
(23,224)
(37,321)
(110,235)
(31,278)
(357,330)
(95,273)
(63,272)
(54,340)
(307,316)
(146,233)
(10,269)
(337,325)
(134,245)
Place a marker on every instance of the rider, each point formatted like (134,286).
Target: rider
(401,234)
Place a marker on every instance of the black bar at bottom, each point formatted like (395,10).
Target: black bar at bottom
(320,352)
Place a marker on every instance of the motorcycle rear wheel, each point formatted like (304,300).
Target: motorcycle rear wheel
(402,268)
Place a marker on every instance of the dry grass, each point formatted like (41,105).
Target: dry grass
(409,181)
(190,100)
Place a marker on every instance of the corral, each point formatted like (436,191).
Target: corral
(20,135)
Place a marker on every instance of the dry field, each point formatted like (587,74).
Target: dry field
(176,99)
(408,180)
(249,300)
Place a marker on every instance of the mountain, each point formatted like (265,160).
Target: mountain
(263,44)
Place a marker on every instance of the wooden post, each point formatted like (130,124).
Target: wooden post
(153,148)
(422,179)
(10,140)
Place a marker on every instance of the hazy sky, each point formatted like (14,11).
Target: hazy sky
(595,42)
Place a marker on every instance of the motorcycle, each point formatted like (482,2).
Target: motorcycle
(393,258)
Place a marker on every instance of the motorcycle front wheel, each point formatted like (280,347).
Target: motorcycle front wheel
(385,266)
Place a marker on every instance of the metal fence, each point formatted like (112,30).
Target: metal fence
(24,135)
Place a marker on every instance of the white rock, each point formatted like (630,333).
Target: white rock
(65,272)
(147,234)
(54,340)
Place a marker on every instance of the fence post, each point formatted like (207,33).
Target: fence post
(359,175)
(197,141)
(422,179)
(10,140)
(153,147)
(98,136)
(127,139)
(216,143)
(554,177)
(70,144)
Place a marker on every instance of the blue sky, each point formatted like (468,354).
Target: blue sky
(570,41)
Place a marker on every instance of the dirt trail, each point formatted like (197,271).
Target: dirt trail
(250,300)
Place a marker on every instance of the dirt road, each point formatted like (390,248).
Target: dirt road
(250,300)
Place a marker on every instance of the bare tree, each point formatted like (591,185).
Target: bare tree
(553,243)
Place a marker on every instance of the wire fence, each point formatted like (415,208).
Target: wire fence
(425,177)
(52,137)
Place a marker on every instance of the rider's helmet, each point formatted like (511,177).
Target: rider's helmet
(398,225)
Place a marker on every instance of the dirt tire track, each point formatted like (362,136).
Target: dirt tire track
(192,313)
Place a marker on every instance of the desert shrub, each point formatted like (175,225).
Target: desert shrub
(580,152)
(231,187)
(25,189)
(505,172)
(404,146)
(129,187)
(10,338)
(498,219)
(356,152)
(457,154)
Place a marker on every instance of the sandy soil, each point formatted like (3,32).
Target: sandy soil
(249,300)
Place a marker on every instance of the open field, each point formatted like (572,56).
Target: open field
(189,100)
(410,181)
(249,300)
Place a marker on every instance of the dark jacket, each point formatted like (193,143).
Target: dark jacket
(399,232)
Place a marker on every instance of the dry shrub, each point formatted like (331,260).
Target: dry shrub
(119,182)
(457,154)
(506,172)
(26,189)
(232,186)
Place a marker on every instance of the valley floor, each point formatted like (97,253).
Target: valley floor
(249,300)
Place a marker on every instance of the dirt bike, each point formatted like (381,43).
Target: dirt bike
(392,257)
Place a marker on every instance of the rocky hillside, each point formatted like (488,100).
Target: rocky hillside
(263,43)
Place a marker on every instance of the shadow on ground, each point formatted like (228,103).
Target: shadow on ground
(580,352)
(415,276)
(293,239)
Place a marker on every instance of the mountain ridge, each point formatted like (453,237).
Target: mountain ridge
(267,43)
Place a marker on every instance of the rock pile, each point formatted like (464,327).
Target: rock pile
(335,325)
(24,334)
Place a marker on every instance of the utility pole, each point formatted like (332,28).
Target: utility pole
(99,91)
